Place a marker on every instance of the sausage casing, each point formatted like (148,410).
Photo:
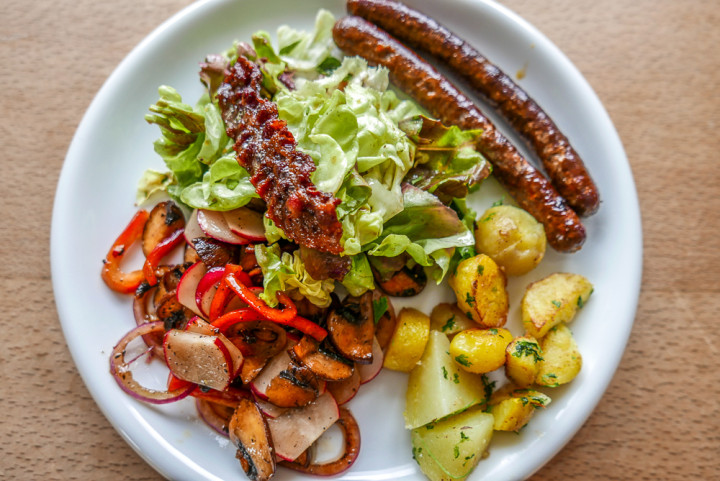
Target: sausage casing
(444,101)
(562,163)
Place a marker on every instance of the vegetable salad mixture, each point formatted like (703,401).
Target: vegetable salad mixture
(275,318)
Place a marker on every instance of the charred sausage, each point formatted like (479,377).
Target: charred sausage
(562,163)
(444,101)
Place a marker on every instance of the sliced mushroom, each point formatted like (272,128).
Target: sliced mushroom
(322,361)
(323,265)
(294,387)
(258,341)
(249,431)
(351,328)
(406,282)
(213,252)
(173,314)
(164,219)
(190,255)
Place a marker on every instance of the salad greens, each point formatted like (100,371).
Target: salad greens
(396,172)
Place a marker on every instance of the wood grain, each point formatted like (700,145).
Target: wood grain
(654,64)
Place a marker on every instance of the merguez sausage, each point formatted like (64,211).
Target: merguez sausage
(563,165)
(443,100)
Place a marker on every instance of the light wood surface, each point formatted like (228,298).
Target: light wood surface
(654,64)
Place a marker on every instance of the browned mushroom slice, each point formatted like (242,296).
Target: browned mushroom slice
(324,265)
(384,316)
(258,341)
(324,363)
(173,314)
(406,282)
(213,252)
(190,255)
(351,328)
(294,387)
(249,431)
(164,219)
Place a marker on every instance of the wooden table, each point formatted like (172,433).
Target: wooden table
(654,64)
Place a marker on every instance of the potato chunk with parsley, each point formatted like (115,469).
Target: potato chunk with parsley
(512,408)
(480,350)
(479,286)
(448,318)
(521,360)
(450,449)
(407,343)
(561,358)
(552,300)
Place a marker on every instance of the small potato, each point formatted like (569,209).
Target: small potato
(553,300)
(479,286)
(561,358)
(480,350)
(448,318)
(512,408)
(521,360)
(407,343)
(512,237)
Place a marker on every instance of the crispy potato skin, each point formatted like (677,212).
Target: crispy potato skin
(521,360)
(552,300)
(561,358)
(479,286)
(512,238)
(480,350)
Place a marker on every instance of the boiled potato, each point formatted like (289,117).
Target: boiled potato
(512,237)
(448,318)
(553,300)
(521,360)
(561,358)
(512,408)
(437,387)
(480,350)
(407,343)
(450,449)
(479,286)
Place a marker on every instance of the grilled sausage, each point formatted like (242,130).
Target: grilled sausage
(562,164)
(444,101)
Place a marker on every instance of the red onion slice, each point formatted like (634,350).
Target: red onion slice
(123,375)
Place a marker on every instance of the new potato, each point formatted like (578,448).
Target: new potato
(512,408)
(521,360)
(448,318)
(479,286)
(407,343)
(561,358)
(552,300)
(480,350)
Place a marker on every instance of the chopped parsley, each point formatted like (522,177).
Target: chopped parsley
(557,304)
(488,386)
(580,302)
(380,307)
(527,348)
(469,300)
(430,426)
(449,324)
(463,360)
(488,217)
(456,378)
(469,315)
(499,202)
(416,452)
(468,458)
(445,373)
(480,270)
(493,331)
(463,437)
(456,451)
(550,376)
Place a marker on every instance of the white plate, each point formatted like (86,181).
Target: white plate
(113,145)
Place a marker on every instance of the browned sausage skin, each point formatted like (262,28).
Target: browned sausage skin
(563,165)
(444,101)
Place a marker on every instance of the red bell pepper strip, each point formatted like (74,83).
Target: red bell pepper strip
(245,314)
(161,250)
(280,316)
(224,293)
(117,280)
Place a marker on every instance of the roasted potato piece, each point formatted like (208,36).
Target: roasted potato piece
(437,387)
(479,286)
(561,358)
(450,449)
(407,343)
(512,408)
(521,360)
(553,300)
(512,237)
(448,318)
(480,350)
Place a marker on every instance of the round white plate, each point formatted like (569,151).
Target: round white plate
(113,146)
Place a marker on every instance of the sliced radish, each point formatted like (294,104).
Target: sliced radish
(187,287)
(368,372)
(296,429)
(345,390)
(213,224)
(246,223)
(210,361)
(206,289)
(192,229)
(269,409)
(275,366)
(199,325)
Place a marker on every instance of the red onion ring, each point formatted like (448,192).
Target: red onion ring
(122,374)
(209,413)
(143,316)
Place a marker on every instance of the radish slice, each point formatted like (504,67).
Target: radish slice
(296,429)
(345,390)
(210,361)
(269,409)
(368,372)
(187,287)
(206,289)
(246,223)
(192,229)
(199,325)
(274,367)
(213,224)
